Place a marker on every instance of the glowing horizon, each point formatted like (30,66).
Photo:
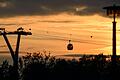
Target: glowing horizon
(50,30)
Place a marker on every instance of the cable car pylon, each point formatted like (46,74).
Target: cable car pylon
(20,31)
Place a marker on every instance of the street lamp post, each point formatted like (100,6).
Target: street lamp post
(113,11)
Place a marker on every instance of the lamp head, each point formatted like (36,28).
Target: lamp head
(111,10)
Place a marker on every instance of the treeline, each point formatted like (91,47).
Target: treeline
(38,66)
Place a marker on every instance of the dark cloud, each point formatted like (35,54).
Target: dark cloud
(10,8)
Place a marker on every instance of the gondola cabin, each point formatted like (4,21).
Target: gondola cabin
(70,46)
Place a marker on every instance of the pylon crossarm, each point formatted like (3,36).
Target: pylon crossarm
(16,32)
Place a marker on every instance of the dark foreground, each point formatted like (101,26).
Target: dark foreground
(45,67)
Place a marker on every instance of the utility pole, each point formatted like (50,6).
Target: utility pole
(113,11)
(15,55)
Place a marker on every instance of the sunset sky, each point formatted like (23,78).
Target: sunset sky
(54,22)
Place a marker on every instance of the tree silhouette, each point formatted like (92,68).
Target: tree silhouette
(42,66)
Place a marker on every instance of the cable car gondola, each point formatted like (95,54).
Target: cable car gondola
(70,46)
